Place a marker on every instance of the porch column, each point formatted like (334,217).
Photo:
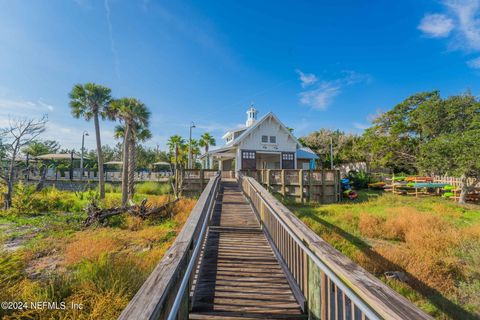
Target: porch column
(238,160)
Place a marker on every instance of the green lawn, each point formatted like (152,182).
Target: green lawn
(433,241)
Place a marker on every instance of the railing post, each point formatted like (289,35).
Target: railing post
(268,179)
(337,186)
(300,181)
(282,181)
(315,294)
(309,185)
(202,176)
(324,187)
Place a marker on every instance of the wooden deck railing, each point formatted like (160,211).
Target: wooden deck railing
(195,180)
(167,286)
(321,186)
(330,284)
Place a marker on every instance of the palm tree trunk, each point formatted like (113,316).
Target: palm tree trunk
(208,157)
(126,139)
(101,175)
(131,167)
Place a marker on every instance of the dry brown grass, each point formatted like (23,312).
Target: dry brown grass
(369,225)
(133,223)
(90,244)
(182,210)
(427,251)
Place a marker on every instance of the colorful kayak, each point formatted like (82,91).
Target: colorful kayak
(419,179)
(429,185)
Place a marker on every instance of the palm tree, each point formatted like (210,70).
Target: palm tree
(207,140)
(194,151)
(135,117)
(175,145)
(142,134)
(89,101)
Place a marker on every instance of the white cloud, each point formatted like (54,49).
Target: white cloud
(361,126)
(321,97)
(306,79)
(321,94)
(474,63)
(436,25)
(112,41)
(466,14)
(19,107)
(460,23)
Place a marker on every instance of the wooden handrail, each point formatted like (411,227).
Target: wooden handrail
(155,298)
(333,285)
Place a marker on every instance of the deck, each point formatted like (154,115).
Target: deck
(229,263)
(239,276)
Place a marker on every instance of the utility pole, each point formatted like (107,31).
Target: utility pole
(85,133)
(192,125)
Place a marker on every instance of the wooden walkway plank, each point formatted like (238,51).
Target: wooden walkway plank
(239,276)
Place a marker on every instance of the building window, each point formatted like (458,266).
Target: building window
(273,139)
(264,139)
(287,156)
(248,155)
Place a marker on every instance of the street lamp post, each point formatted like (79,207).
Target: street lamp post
(85,133)
(192,125)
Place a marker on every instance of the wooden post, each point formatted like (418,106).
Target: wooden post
(324,295)
(315,292)
(300,181)
(393,183)
(268,179)
(309,185)
(416,189)
(337,186)
(324,187)
(202,176)
(282,181)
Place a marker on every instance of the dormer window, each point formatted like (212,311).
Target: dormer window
(273,139)
(264,139)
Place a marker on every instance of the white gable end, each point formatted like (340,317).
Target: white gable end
(269,135)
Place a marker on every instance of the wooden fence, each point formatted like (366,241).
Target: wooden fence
(89,175)
(155,299)
(321,186)
(330,284)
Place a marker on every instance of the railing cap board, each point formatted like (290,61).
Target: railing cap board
(147,302)
(385,301)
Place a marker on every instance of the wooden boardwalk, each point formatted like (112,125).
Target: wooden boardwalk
(239,276)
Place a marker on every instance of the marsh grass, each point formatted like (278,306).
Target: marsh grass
(100,268)
(434,241)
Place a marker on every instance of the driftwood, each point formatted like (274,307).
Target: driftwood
(143,210)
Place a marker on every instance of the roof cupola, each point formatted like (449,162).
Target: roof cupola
(251,116)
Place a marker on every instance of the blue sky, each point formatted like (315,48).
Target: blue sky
(332,64)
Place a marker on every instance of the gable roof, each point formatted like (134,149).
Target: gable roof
(306,153)
(250,129)
(233,131)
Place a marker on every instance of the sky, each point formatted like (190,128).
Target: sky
(316,64)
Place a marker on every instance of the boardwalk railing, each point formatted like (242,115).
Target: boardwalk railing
(321,186)
(165,292)
(330,285)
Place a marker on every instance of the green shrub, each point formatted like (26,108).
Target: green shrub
(112,188)
(359,179)
(111,271)
(26,201)
(154,188)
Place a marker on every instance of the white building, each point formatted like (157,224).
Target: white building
(261,144)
